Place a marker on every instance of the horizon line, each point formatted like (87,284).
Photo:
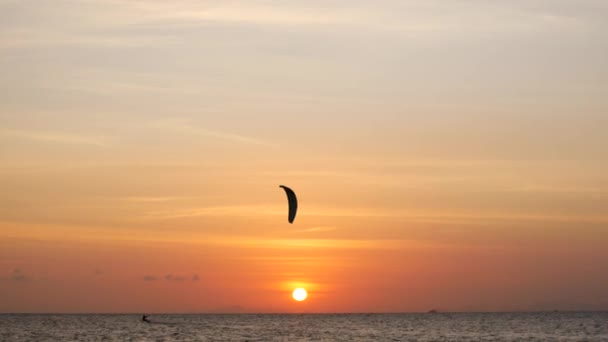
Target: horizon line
(430,312)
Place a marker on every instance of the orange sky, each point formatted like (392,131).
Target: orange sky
(447,156)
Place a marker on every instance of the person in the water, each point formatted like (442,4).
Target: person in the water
(144,318)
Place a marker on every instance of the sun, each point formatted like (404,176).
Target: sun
(299,294)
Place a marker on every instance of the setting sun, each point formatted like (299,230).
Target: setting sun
(299,294)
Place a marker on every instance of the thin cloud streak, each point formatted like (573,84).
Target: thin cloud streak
(39,38)
(316,229)
(90,20)
(67,235)
(423,17)
(181,127)
(155,199)
(401,215)
(255,243)
(55,137)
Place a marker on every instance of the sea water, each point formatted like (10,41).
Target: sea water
(551,326)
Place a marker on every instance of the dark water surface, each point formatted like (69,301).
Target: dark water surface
(554,326)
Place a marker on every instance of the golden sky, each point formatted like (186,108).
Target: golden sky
(447,155)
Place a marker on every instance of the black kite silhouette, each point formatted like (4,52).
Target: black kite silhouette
(292,201)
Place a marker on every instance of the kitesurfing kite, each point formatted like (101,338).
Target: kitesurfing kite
(293,203)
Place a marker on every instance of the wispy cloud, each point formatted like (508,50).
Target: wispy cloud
(171,277)
(154,199)
(27,38)
(316,229)
(137,23)
(414,16)
(374,213)
(184,128)
(247,12)
(17,275)
(214,211)
(55,137)
(252,242)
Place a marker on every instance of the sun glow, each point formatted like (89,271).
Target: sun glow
(299,294)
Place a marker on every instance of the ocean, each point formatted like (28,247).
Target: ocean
(550,326)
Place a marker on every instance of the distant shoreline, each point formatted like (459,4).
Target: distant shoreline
(306,313)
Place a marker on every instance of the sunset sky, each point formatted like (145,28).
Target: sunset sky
(447,155)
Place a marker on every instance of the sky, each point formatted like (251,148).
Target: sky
(447,155)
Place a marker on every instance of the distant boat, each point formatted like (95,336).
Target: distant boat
(432,311)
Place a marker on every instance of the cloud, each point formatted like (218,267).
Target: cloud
(254,210)
(265,15)
(19,38)
(170,277)
(412,16)
(137,23)
(316,229)
(17,275)
(394,214)
(153,199)
(55,137)
(180,127)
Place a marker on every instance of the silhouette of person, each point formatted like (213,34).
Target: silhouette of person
(144,318)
